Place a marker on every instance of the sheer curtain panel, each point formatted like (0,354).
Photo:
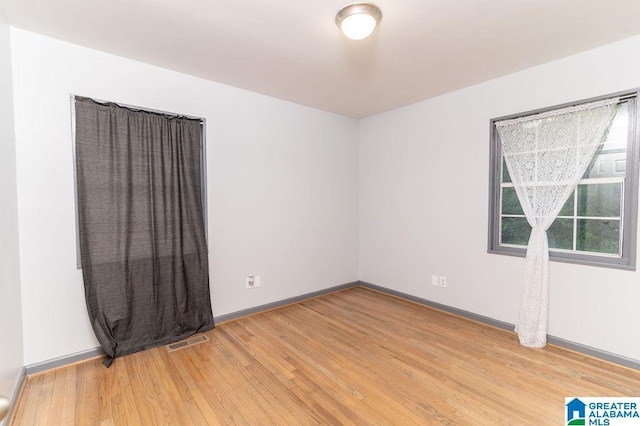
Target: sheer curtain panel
(546,155)
(142,240)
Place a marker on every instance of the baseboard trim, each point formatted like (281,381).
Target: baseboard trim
(63,361)
(594,352)
(450,309)
(281,303)
(14,397)
(96,352)
(566,344)
(577,347)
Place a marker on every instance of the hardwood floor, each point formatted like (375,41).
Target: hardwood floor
(352,357)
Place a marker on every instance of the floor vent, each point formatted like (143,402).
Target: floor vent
(186,343)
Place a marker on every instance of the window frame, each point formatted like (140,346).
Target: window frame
(203,164)
(630,192)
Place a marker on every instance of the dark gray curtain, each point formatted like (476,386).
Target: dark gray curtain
(142,238)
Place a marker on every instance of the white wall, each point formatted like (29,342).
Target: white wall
(10,315)
(424,176)
(282,186)
(291,194)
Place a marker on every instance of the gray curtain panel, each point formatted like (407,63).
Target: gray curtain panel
(142,238)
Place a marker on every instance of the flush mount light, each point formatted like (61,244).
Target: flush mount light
(358,20)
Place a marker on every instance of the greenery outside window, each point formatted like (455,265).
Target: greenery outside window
(597,224)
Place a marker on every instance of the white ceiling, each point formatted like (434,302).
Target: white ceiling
(292,49)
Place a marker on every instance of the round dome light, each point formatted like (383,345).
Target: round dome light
(358,20)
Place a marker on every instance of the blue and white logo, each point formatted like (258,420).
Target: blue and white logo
(576,412)
(602,411)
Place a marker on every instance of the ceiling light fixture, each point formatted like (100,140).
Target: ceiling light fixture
(358,20)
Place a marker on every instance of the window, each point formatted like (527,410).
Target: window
(203,167)
(597,224)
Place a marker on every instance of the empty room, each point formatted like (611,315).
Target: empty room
(294,212)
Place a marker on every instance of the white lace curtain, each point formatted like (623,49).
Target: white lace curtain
(546,155)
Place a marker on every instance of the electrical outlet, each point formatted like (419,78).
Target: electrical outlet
(434,281)
(251,281)
(443,281)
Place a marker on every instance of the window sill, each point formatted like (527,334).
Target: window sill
(576,259)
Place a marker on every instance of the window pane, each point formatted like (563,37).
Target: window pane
(599,199)
(567,209)
(614,150)
(510,202)
(515,230)
(505,172)
(607,163)
(600,236)
(560,234)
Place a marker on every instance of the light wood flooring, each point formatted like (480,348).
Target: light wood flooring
(352,357)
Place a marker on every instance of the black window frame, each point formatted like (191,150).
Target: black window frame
(630,187)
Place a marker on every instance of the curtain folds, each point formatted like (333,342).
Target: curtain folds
(546,155)
(142,240)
